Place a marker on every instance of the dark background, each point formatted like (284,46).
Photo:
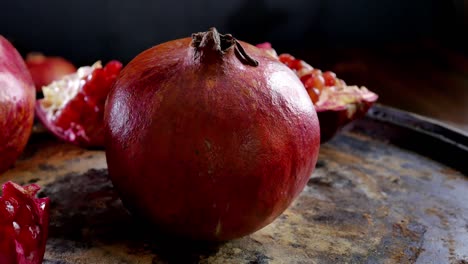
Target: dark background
(413,53)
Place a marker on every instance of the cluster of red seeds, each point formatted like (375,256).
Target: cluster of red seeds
(87,108)
(23,224)
(313,79)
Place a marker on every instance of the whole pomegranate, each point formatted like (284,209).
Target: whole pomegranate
(208,137)
(45,69)
(17,97)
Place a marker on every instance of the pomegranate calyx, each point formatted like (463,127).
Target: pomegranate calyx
(207,42)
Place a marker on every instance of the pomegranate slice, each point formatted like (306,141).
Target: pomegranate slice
(72,107)
(336,103)
(24,222)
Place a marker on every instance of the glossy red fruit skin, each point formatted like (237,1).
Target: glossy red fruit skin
(24,222)
(17,97)
(45,69)
(206,147)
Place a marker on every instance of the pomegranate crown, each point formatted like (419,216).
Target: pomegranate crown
(212,40)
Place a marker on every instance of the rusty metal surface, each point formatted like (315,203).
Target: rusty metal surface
(367,202)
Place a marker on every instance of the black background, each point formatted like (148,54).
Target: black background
(413,53)
(87,30)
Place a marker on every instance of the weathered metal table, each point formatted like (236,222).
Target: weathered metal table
(375,197)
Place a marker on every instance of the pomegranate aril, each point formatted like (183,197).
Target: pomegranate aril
(7,210)
(330,78)
(113,67)
(93,84)
(23,238)
(89,87)
(29,235)
(74,110)
(314,94)
(68,113)
(25,214)
(305,77)
(286,59)
(88,100)
(296,65)
(314,81)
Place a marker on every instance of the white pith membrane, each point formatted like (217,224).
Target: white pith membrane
(340,96)
(60,92)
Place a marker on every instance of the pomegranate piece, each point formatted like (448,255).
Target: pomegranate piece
(45,70)
(73,107)
(17,97)
(24,222)
(336,103)
(208,137)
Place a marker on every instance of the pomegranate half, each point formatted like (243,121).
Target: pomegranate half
(208,137)
(73,107)
(17,97)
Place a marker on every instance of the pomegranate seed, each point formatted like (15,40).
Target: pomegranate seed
(113,67)
(23,224)
(315,81)
(286,59)
(296,65)
(314,94)
(330,78)
(305,77)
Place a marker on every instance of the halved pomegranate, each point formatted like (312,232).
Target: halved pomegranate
(45,69)
(336,103)
(24,222)
(72,107)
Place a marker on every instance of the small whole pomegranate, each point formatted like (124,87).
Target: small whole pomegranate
(17,97)
(46,69)
(209,138)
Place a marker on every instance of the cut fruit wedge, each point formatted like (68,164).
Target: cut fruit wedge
(336,103)
(73,107)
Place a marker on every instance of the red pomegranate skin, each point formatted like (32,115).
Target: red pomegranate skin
(17,97)
(46,69)
(333,120)
(209,150)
